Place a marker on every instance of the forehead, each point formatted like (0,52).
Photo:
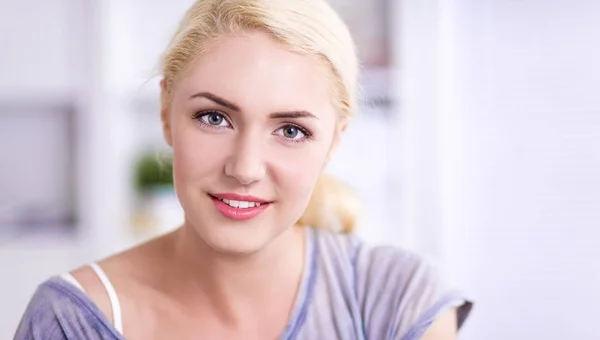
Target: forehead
(255,71)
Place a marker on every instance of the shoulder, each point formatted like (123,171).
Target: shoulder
(57,310)
(400,293)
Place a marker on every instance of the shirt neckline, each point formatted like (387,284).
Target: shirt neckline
(297,316)
(305,292)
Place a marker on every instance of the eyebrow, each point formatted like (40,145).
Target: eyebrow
(292,114)
(232,106)
(216,99)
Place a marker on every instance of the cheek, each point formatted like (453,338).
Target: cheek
(195,155)
(296,171)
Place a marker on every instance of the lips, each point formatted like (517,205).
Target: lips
(239,204)
(237,197)
(239,207)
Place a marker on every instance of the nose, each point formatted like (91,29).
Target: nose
(246,164)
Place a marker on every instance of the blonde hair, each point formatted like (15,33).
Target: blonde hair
(310,27)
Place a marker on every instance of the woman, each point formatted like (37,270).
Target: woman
(255,98)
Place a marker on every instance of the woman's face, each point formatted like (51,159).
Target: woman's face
(252,126)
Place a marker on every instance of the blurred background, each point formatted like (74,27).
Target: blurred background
(477,144)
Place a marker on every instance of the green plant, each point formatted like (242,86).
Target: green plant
(153,171)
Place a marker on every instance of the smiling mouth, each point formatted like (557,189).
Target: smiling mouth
(239,207)
(239,204)
(240,201)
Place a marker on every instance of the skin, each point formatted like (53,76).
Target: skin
(253,118)
(443,328)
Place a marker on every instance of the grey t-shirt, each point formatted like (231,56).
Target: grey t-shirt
(349,291)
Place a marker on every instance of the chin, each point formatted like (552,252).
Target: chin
(236,243)
(236,238)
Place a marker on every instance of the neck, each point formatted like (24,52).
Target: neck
(234,285)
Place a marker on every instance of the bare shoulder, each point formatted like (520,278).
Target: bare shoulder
(123,270)
(443,328)
(94,289)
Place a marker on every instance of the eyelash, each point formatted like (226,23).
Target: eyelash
(198,117)
(307,134)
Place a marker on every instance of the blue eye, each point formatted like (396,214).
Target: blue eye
(212,119)
(293,133)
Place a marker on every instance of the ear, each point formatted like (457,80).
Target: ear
(165,113)
(337,137)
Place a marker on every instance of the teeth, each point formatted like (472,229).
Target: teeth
(240,204)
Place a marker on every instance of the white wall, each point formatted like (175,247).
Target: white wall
(518,145)
(42,69)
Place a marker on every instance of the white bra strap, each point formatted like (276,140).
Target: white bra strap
(112,295)
(72,280)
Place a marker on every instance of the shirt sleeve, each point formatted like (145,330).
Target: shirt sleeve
(401,294)
(54,313)
(40,320)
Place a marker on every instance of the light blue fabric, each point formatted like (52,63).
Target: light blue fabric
(349,291)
